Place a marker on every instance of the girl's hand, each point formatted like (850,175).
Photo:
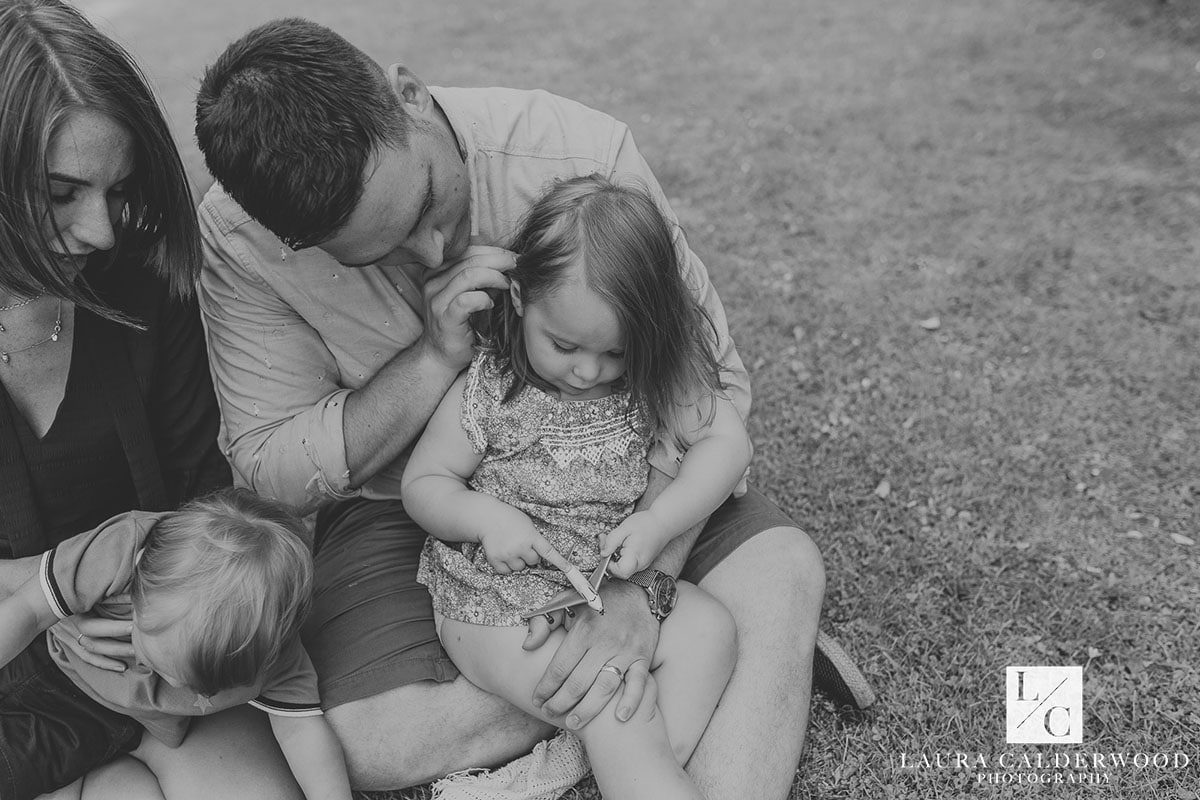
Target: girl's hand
(641,537)
(513,548)
(97,641)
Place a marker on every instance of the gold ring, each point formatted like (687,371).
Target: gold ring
(614,670)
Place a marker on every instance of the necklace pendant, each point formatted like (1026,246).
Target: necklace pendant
(4,357)
(2,328)
(54,337)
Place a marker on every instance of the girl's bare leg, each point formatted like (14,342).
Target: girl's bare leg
(634,759)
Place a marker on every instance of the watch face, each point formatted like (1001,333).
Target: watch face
(665,593)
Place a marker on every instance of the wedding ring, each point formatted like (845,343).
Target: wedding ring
(614,670)
(79,639)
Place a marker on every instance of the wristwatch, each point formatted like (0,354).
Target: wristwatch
(660,588)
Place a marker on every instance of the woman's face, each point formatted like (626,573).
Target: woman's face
(89,163)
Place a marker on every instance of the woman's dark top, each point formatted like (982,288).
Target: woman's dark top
(137,427)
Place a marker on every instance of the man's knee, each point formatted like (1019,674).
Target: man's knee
(801,557)
(784,562)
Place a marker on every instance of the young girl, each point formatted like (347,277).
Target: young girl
(215,594)
(542,446)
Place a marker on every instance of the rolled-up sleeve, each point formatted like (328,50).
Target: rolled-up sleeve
(276,381)
(629,163)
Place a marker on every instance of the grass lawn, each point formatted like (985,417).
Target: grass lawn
(958,246)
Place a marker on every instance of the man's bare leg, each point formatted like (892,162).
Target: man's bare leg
(773,585)
(417,733)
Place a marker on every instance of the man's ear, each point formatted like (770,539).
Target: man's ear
(411,90)
(514,291)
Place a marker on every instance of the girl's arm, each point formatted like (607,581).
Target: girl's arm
(710,470)
(314,755)
(435,493)
(23,615)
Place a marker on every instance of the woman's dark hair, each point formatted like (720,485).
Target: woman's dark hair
(630,260)
(288,118)
(53,64)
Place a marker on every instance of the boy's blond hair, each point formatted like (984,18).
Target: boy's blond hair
(242,563)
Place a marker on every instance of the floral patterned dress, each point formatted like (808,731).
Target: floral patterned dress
(575,467)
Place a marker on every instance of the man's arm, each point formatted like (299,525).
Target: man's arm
(387,414)
(294,429)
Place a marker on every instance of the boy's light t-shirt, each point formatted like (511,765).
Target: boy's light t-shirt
(92,572)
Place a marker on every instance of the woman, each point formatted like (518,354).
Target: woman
(105,399)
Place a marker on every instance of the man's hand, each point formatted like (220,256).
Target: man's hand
(97,641)
(453,294)
(625,636)
(641,537)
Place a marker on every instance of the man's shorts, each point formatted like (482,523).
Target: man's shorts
(51,733)
(371,627)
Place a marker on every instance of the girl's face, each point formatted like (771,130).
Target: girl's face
(89,163)
(572,339)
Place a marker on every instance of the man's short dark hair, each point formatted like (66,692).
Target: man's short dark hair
(287,118)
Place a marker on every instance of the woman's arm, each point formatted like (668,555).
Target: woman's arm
(314,755)
(15,571)
(23,615)
(710,470)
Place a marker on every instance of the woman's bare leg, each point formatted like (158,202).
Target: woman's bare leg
(231,755)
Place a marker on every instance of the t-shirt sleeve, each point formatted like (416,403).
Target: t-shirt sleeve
(291,686)
(482,392)
(85,569)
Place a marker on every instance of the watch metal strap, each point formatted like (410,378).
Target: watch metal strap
(644,578)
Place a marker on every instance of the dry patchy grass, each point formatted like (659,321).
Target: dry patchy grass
(1023,170)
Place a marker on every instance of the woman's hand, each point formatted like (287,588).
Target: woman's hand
(624,637)
(97,641)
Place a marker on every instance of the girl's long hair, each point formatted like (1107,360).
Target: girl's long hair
(630,260)
(54,63)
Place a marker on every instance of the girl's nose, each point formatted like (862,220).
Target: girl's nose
(586,369)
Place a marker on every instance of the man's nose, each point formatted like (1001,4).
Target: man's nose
(429,250)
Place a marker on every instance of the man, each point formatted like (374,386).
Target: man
(355,227)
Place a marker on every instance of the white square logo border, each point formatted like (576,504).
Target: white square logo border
(1044,705)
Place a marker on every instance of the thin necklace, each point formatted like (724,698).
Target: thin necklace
(6,355)
(15,306)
